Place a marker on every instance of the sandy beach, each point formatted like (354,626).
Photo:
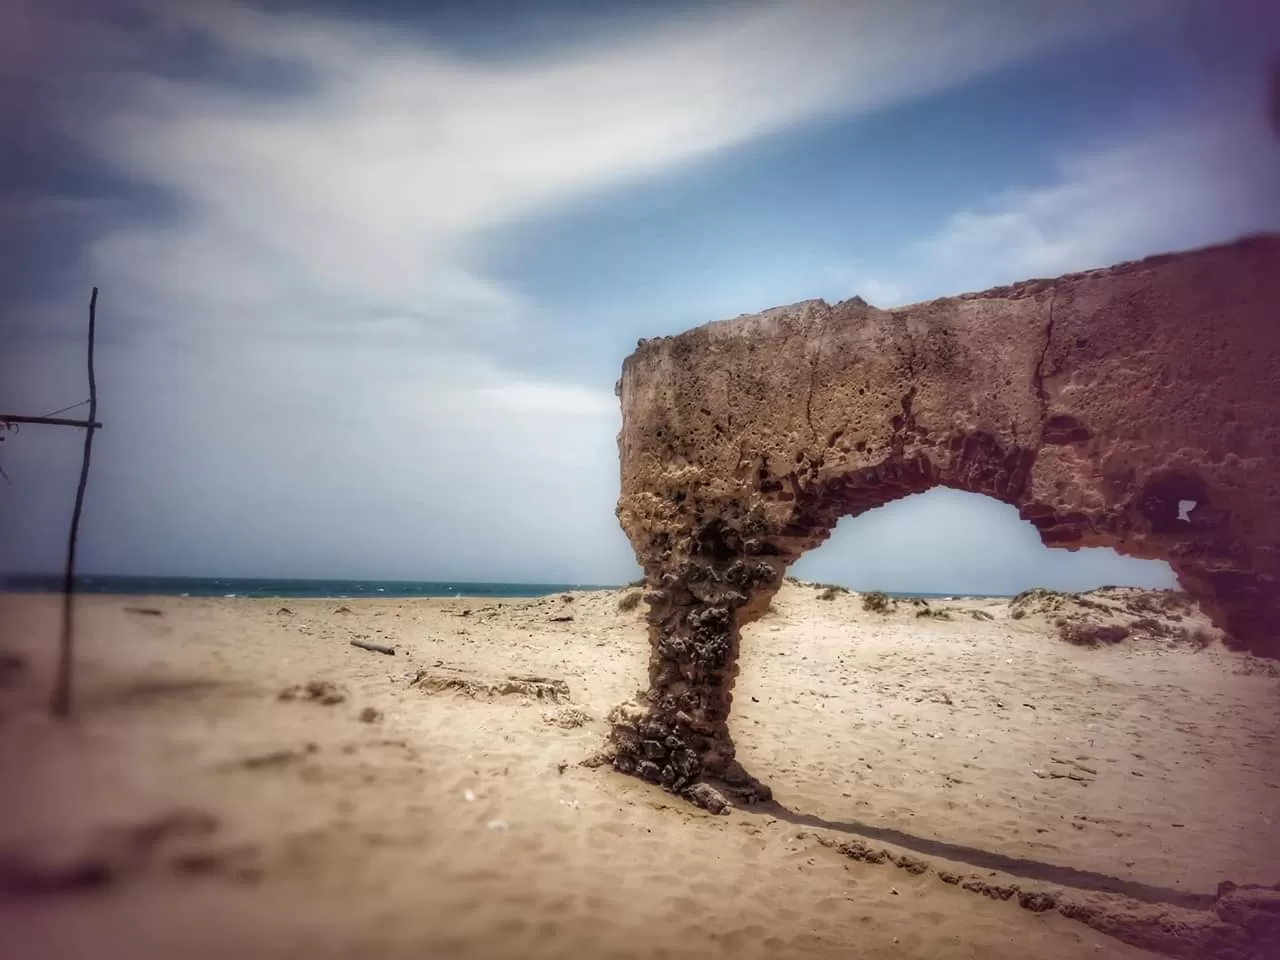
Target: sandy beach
(239,780)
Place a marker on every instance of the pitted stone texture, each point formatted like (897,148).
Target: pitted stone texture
(1102,405)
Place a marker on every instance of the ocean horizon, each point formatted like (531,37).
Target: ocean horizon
(338,589)
(285,587)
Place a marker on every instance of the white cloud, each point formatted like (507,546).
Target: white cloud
(1177,186)
(372,192)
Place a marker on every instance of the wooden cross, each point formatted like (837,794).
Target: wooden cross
(62,680)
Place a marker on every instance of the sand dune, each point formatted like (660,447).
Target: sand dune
(432,803)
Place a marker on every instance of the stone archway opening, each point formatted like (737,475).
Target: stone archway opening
(947,542)
(1133,407)
(824,687)
(734,568)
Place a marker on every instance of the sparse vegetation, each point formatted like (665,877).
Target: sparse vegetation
(566,597)
(980,615)
(1142,603)
(1176,605)
(829,591)
(1092,634)
(1151,626)
(630,601)
(935,614)
(876,602)
(1050,603)
(1197,639)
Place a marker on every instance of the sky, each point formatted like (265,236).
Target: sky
(369,270)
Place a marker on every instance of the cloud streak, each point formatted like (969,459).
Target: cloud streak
(370,192)
(310,358)
(1189,181)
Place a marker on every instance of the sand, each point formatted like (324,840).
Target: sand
(425,805)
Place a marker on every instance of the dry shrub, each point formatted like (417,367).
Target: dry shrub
(980,615)
(1035,600)
(876,602)
(1151,626)
(1092,634)
(630,601)
(1142,603)
(830,591)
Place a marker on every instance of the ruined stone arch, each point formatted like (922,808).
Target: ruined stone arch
(1135,407)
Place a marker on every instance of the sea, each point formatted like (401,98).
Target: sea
(344,589)
(280,588)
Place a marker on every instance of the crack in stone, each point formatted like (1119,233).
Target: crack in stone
(898,440)
(813,377)
(1038,377)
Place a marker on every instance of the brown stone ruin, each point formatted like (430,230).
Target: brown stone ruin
(1135,407)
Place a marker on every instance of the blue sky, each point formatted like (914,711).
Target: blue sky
(369,271)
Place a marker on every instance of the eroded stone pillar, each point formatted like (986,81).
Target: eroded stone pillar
(678,733)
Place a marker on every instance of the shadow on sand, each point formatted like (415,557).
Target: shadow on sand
(1016,866)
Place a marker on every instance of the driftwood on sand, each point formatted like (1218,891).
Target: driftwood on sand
(375,647)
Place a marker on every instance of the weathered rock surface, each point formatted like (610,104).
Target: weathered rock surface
(1136,407)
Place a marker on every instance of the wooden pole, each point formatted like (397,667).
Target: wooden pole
(62,683)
